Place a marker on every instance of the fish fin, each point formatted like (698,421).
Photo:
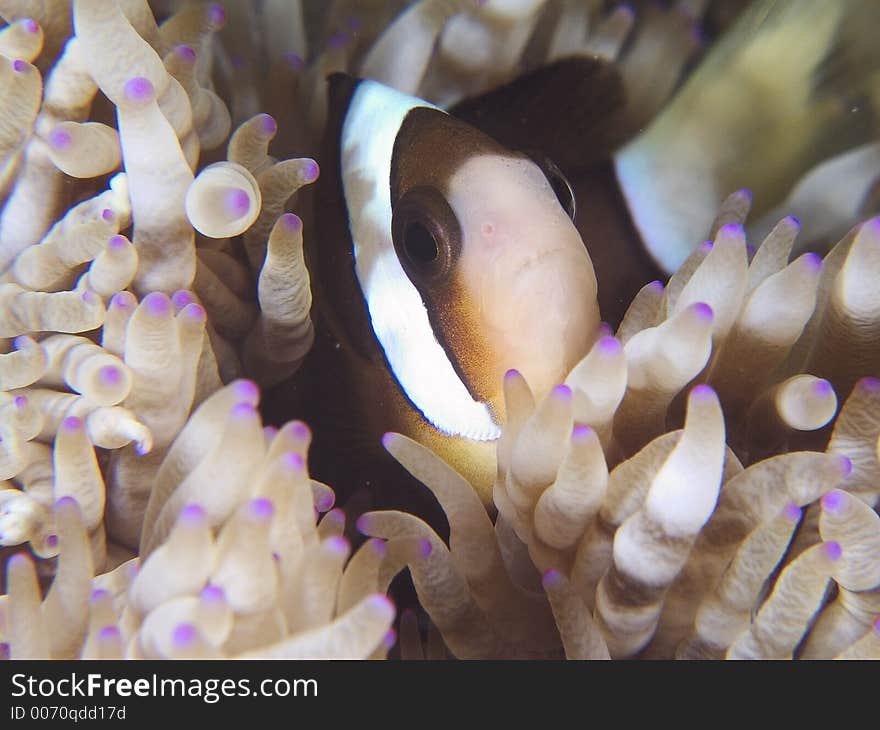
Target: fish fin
(570,110)
(792,83)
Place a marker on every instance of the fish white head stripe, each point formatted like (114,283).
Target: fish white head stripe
(397,313)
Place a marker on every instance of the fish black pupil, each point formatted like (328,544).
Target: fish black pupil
(420,245)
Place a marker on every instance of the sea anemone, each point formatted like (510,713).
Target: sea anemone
(687,491)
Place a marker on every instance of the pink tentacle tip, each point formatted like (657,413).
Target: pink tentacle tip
(877,625)
(217,15)
(108,215)
(237,202)
(261,509)
(5,652)
(291,222)
(378,546)
(362,525)
(60,138)
(268,125)
(72,423)
(99,594)
(30,25)
(511,375)
(122,300)
(157,304)
(731,230)
(604,330)
(833,550)
(337,543)
(184,635)
(707,246)
(246,390)
(657,286)
(325,502)
(138,90)
(52,541)
(834,501)
(792,512)
(846,466)
(388,440)
(870,384)
(20,66)
(89,297)
(186,53)
(310,171)
(193,514)
(117,243)
(20,401)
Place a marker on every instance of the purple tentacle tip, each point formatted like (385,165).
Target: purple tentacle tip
(72,423)
(702,391)
(20,66)
(110,375)
(243,411)
(390,639)
(89,297)
(108,215)
(833,550)
(261,509)
(291,222)
(293,461)
(834,501)
(362,525)
(812,261)
(337,543)
(337,40)
(138,90)
(381,602)
(846,466)
(30,25)
(117,242)
(822,388)
(511,374)
(246,390)
(581,432)
(707,246)
(60,138)
(20,401)
(562,391)
(193,514)
(217,15)
(792,512)
(731,230)
(109,633)
(121,300)
(52,541)
(551,578)
(212,594)
(378,546)
(609,346)
(157,304)
(186,53)
(236,202)
(181,298)
(184,635)
(268,125)
(294,60)
(4,650)
(326,502)
(388,440)
(872,385)
(657,286)
(425,548)
(877,625)
(311,171)
(300,431)
(704,311)
(99,594)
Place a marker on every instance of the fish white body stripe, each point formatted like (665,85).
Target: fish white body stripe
(398,315)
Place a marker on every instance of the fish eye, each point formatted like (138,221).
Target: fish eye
(558,182)
(426,233)
(419,244)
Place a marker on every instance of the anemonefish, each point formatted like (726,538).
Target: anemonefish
(444,247)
